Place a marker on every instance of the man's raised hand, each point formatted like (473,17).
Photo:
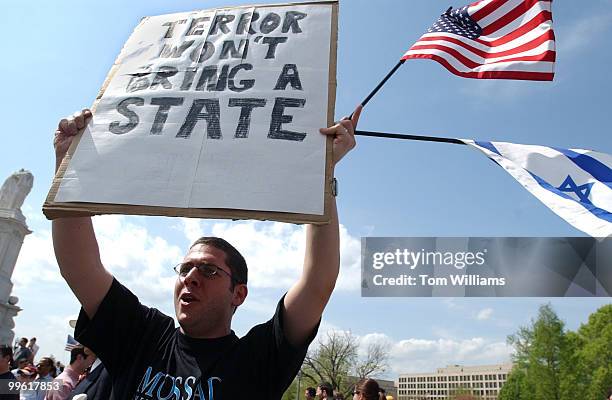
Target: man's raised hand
(344,135)
(66,130)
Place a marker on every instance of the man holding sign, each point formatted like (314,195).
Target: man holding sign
(147,357)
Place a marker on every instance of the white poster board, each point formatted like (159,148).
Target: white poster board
(211,110)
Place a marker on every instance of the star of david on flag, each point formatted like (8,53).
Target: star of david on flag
(576,184)
(493,39)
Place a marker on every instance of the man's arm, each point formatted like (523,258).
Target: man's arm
(74,240)
(306,300)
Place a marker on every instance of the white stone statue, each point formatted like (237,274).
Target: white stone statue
(15,189)
(13,228)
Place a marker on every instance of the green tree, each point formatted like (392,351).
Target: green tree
(573,379)
(539,354)
(515,387)
(552,364)
(588,371)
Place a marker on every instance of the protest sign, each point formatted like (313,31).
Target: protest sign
(212,113)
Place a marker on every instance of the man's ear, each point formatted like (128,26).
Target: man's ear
(240,293)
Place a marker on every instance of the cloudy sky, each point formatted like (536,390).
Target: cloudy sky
(57,55)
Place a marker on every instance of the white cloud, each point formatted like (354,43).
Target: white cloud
(274,251)
(139,260)
(36,262)
(451,303)
(32,213)
(260,305)
(426,355)
(484,314)
(442,332)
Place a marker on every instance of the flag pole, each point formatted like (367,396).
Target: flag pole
(385,79)
(408,137)
(380,84)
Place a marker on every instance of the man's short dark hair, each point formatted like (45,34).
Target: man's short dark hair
(6,351)
(312,392)
(79,350)
(327,387)
(233,258)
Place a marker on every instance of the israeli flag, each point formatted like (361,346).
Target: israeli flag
(576,184)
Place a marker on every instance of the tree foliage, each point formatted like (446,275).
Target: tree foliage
(516,386)
(551,363)
(589,369)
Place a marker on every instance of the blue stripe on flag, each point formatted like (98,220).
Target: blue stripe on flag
(596,211)
(489,146)
(601,170)
(597,169)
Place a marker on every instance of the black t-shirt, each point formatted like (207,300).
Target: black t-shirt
(5,393)
(148,358)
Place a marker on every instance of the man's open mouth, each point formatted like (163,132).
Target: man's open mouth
(187,298)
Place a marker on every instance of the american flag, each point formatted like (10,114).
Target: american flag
(493,39)
(71,343)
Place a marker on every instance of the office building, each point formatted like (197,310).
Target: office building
(483,381)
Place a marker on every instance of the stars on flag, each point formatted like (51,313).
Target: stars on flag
(582,191)
(457,22)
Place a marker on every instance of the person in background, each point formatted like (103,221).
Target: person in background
(310,393)
(33,347)
(59,368)
(325,391)
(23,353)
(6,357)
(27,375)
(367,389)
(44,367)
(97,384)
(21,364)
(80,359)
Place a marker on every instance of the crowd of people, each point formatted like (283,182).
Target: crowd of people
(23,378)
(365,389)
(17,365)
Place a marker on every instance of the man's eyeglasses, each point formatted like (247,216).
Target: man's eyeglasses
(208,270)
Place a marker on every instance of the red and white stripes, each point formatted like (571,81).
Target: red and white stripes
(517,42)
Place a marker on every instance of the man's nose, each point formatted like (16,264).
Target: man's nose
(192,278)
